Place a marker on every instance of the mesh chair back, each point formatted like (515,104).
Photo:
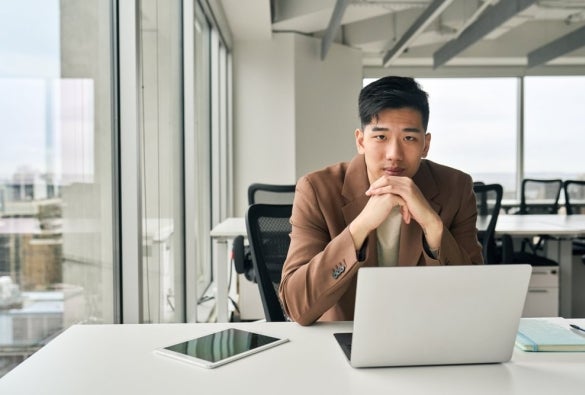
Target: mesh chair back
(259,193)
(540,196)
(269,237)
(574,196)
(489,202)
(271,193)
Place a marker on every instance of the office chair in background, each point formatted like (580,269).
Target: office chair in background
(489,202)
(574,191)
(540,196)
(259,193)
(537,196)
(271,193)
(269,230)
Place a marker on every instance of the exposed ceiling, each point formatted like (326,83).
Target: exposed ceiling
(436,34)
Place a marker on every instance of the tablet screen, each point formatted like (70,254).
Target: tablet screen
(223,345)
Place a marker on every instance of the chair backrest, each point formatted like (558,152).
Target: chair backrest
(540,196)
(489,202)
(259,193)
(271,193)
(269,237)
(574,191)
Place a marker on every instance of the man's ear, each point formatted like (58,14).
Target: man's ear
(427,145)
(359,141)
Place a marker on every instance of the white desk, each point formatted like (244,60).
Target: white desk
(222,237)
(563,227)
(118,359)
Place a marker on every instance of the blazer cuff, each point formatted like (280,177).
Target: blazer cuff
(361,253)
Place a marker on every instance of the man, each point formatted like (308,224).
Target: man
(388,206)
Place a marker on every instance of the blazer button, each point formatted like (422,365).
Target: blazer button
(335,273)
(340,268)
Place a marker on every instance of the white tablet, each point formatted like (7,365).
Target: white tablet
(220,347)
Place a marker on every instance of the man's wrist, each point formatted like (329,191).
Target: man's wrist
(358,234)
(433,235)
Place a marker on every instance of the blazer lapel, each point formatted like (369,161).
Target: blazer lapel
(411,234)
(427,184)
(355,185)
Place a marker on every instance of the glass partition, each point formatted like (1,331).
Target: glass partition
(554,131)
(57,238)
(162,161)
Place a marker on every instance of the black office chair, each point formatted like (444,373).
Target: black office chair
(258,193)
(574,191)
(271,193)
(509,255)
(539,196)
(489,201)
(269,230)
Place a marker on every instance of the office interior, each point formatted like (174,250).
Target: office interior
(132,128)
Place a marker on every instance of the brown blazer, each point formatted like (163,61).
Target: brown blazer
(319,275)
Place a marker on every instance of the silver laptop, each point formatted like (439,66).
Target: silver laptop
(436,315)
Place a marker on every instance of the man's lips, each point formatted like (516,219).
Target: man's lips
(394,171)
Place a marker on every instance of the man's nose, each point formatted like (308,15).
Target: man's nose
(394,150)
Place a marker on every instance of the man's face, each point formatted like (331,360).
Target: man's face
(394,143)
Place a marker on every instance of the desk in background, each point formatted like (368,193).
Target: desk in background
(222,237)
(562,227)
(118,359)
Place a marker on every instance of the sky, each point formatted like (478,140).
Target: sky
(29,58)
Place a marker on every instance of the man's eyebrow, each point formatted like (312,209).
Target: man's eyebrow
(410,130)
(406,130)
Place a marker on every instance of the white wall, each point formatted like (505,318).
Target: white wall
(293,113)
(326,104)
(263,107)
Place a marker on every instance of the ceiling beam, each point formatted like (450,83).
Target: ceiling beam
(420,24)
(493,17)
(558,47)
(334,24)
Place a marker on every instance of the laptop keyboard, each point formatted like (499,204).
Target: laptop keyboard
(344,340)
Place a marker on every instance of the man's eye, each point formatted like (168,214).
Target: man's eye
(380,137)
(410,138)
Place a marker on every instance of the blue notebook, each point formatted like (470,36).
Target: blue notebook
(537,334)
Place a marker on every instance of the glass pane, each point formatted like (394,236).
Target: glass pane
(162,161)
(554,137)
(203,149)
(56,167)
(473,124)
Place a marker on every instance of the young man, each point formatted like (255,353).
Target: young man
(388,206)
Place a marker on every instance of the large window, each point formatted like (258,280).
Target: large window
(161,168)
(57,243)
(554,131)
(202,144)
(63,188)
(476,125)
(473,125)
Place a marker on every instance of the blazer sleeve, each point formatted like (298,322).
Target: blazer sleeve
(459,245)
(321,261)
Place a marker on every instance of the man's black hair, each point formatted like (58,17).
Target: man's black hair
(392,92)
